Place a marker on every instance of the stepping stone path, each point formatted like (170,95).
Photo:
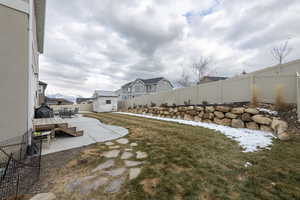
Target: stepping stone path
(109,143)
(114,147)
(134,172)
(112,173)
(123,141)
(133,144)
(105,165)
(130,163)
(116,172)
(126,155)
(44,196)
(111,154)
(141,155)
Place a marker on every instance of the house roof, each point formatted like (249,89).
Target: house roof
(147,81)
(103,93)
(215,78)
(58,100)
(40,13)
(81,99)
(42,83)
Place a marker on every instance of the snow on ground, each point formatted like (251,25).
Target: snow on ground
(270,112)
(249,140)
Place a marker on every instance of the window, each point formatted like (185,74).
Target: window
(108,101)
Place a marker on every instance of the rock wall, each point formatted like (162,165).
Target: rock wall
(236,117)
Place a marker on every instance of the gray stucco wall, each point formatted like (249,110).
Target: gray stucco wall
(13,73)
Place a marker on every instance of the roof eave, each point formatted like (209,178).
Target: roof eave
(40,10)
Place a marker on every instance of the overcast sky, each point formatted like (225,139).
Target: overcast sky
(102,44)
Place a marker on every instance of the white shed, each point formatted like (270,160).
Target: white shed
(105,101)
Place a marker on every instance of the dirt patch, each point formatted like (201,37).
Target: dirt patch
(149,185)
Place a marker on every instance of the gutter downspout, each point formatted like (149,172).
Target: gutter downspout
(29,104)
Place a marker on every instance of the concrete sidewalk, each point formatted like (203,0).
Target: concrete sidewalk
(94,131)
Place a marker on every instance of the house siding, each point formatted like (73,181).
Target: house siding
(13,72)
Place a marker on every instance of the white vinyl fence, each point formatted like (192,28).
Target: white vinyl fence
(265,88)
(81,107)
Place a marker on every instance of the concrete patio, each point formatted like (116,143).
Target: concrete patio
(94,131)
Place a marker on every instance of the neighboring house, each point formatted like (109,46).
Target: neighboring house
(41,92)
(144,86)
(207,79)
(81,100)
(105,101)
(58,101)
(21,43)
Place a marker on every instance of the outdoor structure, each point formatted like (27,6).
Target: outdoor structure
(21,42)
(207,79)
(58,101)
(141,87)
(41,93)
(105,101)
(81,100)
(266,85)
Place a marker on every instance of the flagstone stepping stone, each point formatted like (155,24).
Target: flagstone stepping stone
(44,196)
(134,172)
(116,172)
(130,163)
(115,185)
(133,144)
(86,189)
(126,155)
(75,183)
(104,165)
(128,149)
(141,155)
(123,141)
(114,147)
(109,143)
(111,154)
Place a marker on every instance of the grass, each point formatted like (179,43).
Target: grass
(187,162)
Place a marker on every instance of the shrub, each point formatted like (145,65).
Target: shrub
(205,102)
(187,102)
(280,105)
(153,104)
(174,104)
(254,98)
(164,105)
(129,108)
(134,106)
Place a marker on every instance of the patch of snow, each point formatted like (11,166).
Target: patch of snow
(249,140)
(270,112)
(248,164)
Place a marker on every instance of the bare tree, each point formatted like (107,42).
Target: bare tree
(201,67)
(281,52)
(184,80)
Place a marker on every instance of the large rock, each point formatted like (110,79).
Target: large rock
(252,111)
(218,121)
(192,112)
(279,126)
(219,114)
(208,115)
(223,108)
(44,196)
(230,115)
(201,113)
(207,121)
(190,108)
(199,108)
(209,109)
(197,119)
(252,125)
(237,123)
(188,117)
(226,122)
(283,136)
(239,110)
(265,128)
(246,117)
(261,119)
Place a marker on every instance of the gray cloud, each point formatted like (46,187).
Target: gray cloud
(103,44)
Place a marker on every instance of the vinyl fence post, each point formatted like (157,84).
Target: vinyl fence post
(298,94)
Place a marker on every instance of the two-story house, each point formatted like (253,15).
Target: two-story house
(144,86)
(21,43)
